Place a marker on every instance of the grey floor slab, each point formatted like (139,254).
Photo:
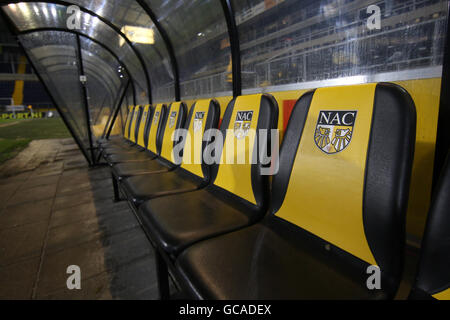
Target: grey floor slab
(17,280)
(40,181)
(29,212)
(7,190)
(53,275)
(62,213)
(22,242)
(33,194)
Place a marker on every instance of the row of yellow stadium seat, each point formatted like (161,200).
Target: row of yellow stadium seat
(333,213)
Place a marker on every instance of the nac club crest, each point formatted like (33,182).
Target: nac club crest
(172,118)
(198,121)
(144,117)
(156,117)
(334,130)
(242,124)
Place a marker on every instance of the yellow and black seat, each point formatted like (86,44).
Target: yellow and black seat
(193,173)
(118,139)
(237,195)
(164,123)
(129,144)
(139,152)
(433,277)
(338,206)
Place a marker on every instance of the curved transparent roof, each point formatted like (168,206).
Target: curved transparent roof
(126,15)
(61,77)
(29,16)
(197,30)
(105,78)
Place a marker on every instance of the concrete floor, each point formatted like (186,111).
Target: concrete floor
(56,212)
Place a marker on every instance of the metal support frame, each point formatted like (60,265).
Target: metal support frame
(78,34)
(63,116)
(101,108)
(14,31)
(234,45)
(101,44)
(119,93)
(116,112)
(85,98)
(442,137)
(109,24)
(169,47)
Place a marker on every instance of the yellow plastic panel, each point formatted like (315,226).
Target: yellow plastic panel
(236,177)
(444,295)
(192,151)
(325,191)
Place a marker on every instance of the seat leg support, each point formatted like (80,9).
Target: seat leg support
(116,188)
(162,274)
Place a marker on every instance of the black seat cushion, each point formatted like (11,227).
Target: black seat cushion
(147,186)
(139,155)
(123,170)
(177,221)
(270,260)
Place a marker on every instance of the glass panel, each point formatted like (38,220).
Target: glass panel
(198,32)
(132,20)
(61,77)
(46,15)
(293,41)
(105,77)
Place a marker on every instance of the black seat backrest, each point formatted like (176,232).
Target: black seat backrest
(130,116)
(148,124)
(433,277)
(143,124)
(174,119)
(154,128)
(345,166)
(136,123)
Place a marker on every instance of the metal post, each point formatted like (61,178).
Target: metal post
(118,98)
(442,137)
(234,45)
(101,109)
(63,116)
(117,110)
(14,31)
(113,27)
(85,98)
